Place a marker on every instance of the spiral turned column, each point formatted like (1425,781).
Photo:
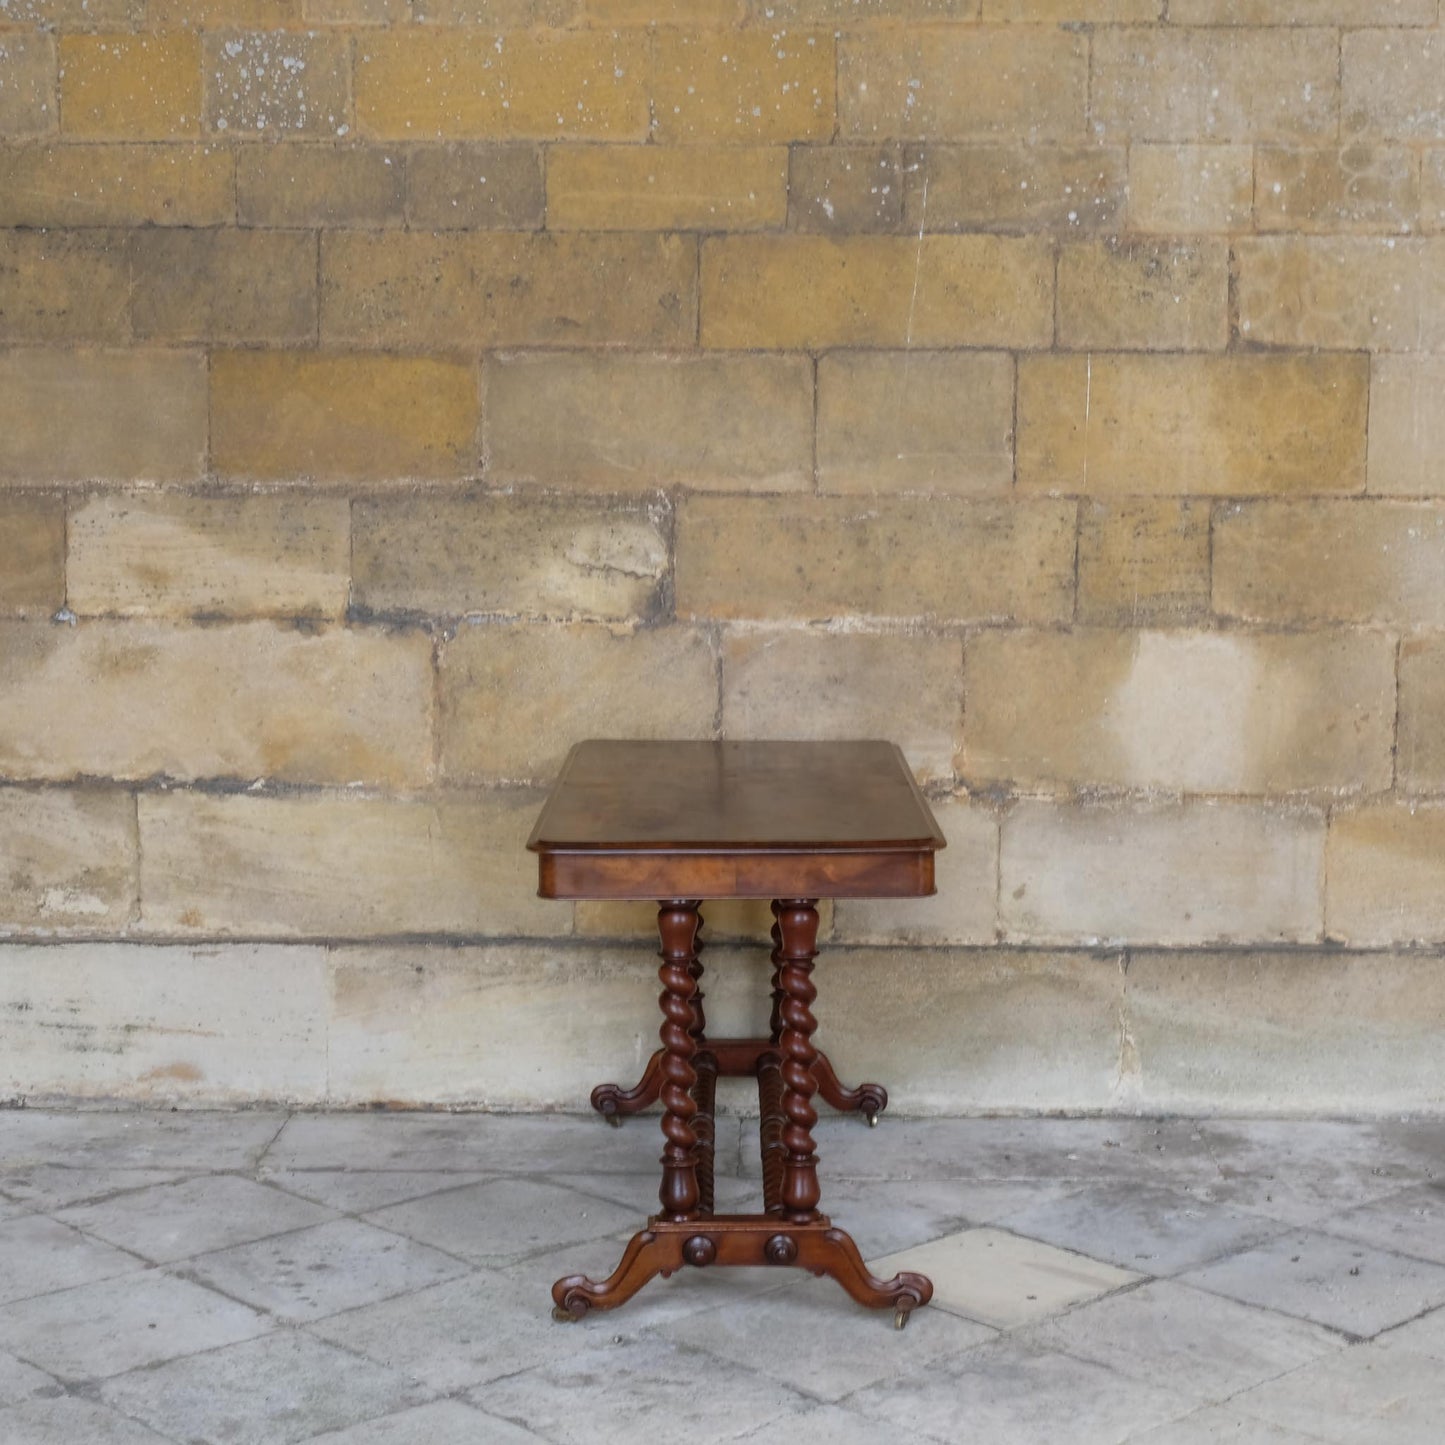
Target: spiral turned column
(699,1019)
(775,1024)
(677,922)
(798,937)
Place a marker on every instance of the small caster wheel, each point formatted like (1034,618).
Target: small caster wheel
(564,1316)
(614,1120)
(900,1318)
(872,1119)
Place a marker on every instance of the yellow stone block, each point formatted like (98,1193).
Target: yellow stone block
(544,85)
(817,292)
(742,86)
(131,87)
(1144,295)
(657,188)
(339,417)
(1120,424)
(1006,83)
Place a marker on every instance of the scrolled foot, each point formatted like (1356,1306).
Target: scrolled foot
(612,1101)
(646,1255)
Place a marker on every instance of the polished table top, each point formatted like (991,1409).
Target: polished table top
(640,819)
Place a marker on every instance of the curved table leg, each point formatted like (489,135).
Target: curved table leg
(834,1253)
(646,1255)
(612,1101)
(870,1100)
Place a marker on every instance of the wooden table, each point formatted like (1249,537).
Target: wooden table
(684,822)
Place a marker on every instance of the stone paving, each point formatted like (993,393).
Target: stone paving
(260,1278)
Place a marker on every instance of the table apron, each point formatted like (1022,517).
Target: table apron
(609,874)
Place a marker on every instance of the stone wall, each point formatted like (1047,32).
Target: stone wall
(393,393)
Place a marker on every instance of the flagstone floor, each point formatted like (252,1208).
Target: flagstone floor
(258,1278)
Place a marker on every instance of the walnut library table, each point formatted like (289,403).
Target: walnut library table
(685,822)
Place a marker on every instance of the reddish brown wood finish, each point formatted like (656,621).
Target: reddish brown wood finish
(791,822)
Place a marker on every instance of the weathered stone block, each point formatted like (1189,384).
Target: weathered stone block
(1360,293)
(1385,880)
(416,84)
(517,556)
(1145,295)
(1407,425)
(1356,560)
(64,286)
(915,421)
(1172,84)
(852,683)
(342,416)
(814,558)
(67,861)
(986,1028)
(475,187)
(176,556)
(515,698)
(1017,187)
(1183,874)
(429,1025)
(965,84)
(1226,425)
(413,289)
(1432,190)
(1065,11)
(1393,82)
(1357,188)
(965,908)
(278,84)
(1143,562)
(78,14)
(131,87)
(342,867)
(742,86)
(220,285)
(116,185)
(1189,189)
(154,1024)
(322,185)
(497,14)
(851,12)
(250,700)
(666,188)
(70,416)
(32,555)
(1285,1032)
(1187,712)
(844,190)
(1420,755)
(815,292)
(728,422)
(1302,12)
(27,84)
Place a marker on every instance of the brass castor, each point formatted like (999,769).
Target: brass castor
(872,1119)
(900,1318)
(564,1316)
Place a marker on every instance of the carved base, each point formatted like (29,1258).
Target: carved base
(740,1239)
(737,1059)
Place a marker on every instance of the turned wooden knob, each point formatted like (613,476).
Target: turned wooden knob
(699,1250)
(781,1249)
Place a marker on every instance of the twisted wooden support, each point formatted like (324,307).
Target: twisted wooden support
(677,924)
(798,927)
(704,1094)
(775,1023)
(771,1120)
